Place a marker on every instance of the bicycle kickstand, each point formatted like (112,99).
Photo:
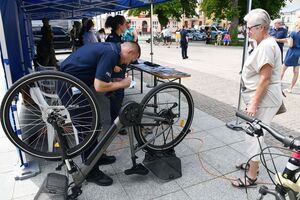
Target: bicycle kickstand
(136,168)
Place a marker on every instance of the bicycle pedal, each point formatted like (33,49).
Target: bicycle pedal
(137,169)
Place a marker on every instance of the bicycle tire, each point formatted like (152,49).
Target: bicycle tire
(292,195)
(183,122)
(81,98)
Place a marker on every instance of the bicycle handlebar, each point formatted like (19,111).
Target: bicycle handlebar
(288,141)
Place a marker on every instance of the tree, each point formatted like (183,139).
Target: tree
(173,9)
(235,10)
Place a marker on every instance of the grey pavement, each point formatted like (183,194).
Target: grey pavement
(208,154)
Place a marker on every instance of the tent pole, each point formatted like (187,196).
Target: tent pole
(19,40)
(3,46)
(236,125)
(151,31)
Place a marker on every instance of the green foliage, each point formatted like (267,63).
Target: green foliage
(173,9)
(234,33)
(227,9)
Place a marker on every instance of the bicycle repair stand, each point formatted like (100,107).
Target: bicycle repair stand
(165,165)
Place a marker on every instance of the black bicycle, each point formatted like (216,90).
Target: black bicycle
(55,116)
(287,183)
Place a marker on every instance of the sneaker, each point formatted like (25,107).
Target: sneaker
(98,177)
(106,160)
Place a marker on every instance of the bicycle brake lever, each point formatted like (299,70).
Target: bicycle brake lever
(254,129)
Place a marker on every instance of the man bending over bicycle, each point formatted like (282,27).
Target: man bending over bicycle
(261,86)
(94,65)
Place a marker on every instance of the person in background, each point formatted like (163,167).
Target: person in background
(177,37)
(292,57)
(130,34)
(82,31)
(226,39)
(184,42)
(261,89)
(45,47)
(93,64)
(163,33)
(168,35)
(74,34)
(118,27)
(278,32)
(219,39)
(89,35)
(208,36)
(101,36)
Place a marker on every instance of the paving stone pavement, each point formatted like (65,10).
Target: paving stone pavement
(208,153)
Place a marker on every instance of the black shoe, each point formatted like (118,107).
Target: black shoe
(123,132)
(98,177)
(106,160)
(186,57)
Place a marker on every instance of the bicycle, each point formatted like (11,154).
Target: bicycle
(55,116)
(157,38)
(287,183)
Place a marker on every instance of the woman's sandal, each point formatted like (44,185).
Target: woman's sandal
(250,183)
(244,167)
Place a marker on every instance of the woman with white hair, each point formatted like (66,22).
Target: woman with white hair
(261,87)
(292,57)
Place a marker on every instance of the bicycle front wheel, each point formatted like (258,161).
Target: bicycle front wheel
(168,111)
(34,99)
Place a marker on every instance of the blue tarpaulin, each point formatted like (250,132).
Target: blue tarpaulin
(58,9)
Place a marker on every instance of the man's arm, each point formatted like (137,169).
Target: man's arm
(135,35)
(101,86)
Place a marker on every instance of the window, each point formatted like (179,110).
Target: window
(58,31)
(133,24)
(175,24)
(155,25)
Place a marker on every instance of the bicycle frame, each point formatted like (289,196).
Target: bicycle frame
(79,176)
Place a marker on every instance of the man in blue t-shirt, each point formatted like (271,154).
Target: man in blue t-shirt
(94,65)
(278,32)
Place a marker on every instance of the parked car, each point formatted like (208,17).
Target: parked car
(196,35)
(214,31)
(61,37)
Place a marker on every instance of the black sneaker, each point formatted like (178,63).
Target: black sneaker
(106,160)
(98,177)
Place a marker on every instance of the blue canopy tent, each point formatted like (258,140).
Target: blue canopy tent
(16,41)
(16,22)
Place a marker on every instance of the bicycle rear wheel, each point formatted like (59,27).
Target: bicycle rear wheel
(30,102)
(168,111)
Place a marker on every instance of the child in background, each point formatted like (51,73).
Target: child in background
(226,39)
(219,39)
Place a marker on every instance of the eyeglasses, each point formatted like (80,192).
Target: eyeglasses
(249,28)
